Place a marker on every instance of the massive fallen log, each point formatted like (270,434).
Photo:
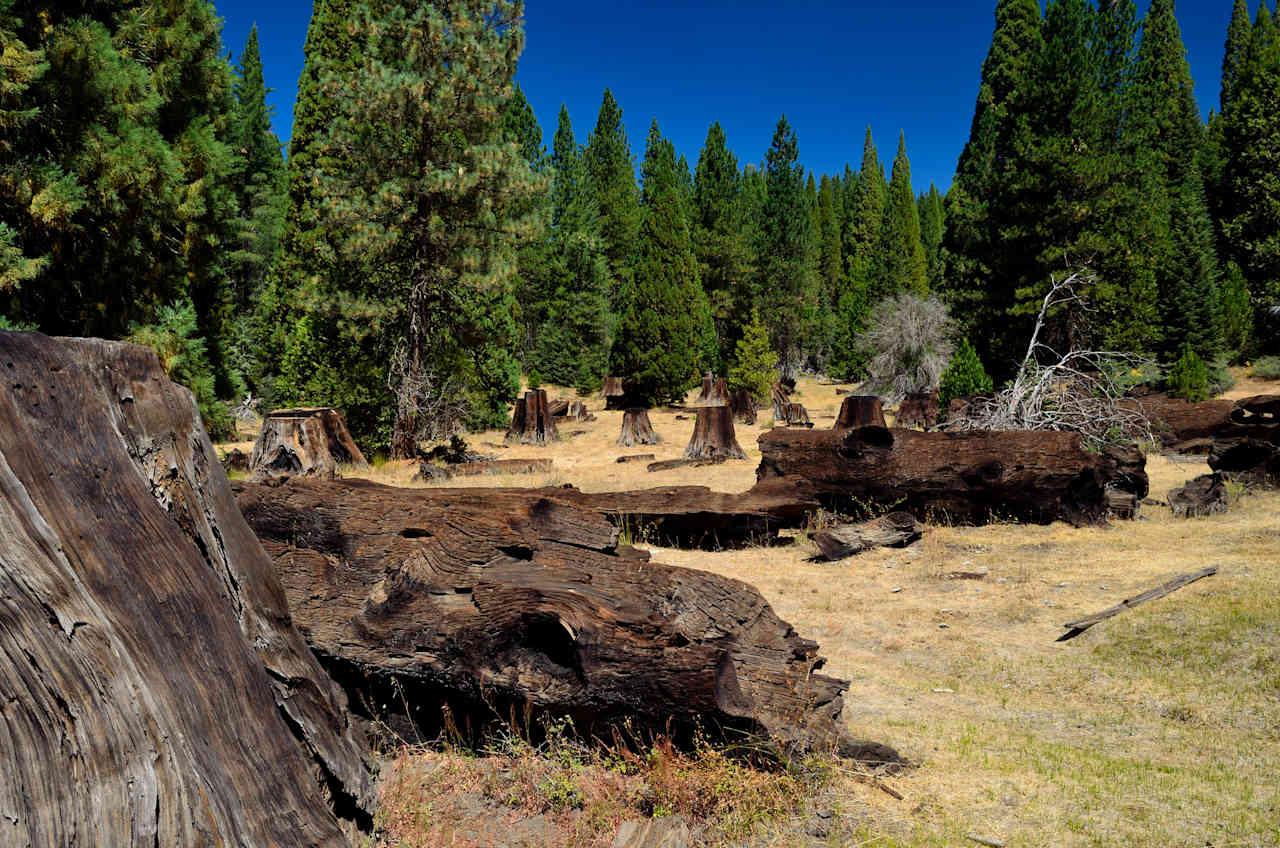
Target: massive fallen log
(153,690)
(966,477)
(304,441)
(501,600)
(1174,420)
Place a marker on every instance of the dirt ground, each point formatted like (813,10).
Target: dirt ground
(1160,727)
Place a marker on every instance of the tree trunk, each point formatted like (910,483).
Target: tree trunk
(531,421)
(795,415)
(1205,495)
(636,429)
(958,477)
(154,690)
(859,411)
(305,442)
(919,409)
(715,392)
(713,435)
(578,412)
(495,600)
(613,394)
(897,529)
(780,397)
(744,407)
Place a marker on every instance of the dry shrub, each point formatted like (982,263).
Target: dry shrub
(909,343)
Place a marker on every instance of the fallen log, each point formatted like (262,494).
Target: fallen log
(895,530)
(1252,461)
(919,409)
(494,601)
(558,408)
(673,464)
(744,407)
(967,477)
(713,435)
(637,429)
(1205,495)
(1175,420)
(637,457)
(153,689)
(859,411)
(304,441)
(531,421)
(1075,628)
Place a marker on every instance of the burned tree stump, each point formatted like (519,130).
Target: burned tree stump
(304,441)
(919,409)
(497,599)
(713,435)
(715,392)
(897,530)
(859,411)
(531,421)
(795,415)
(153,690)
(966,477)
(636,429)
(614,395)
(744,407)
(1205,495)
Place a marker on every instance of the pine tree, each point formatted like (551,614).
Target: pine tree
(720,240)
(612,174)
(900,263)
(1235,53)
(520,126)
(964,377)
(865,212)
(932,223)
(755,363)
(831,247)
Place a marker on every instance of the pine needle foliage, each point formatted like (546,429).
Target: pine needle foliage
(964,376)
(755,363)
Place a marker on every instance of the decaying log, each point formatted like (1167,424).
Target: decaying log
(429,471)
(1075,628)
(304,441)
(153,690)
(713,435)
(637,457)
(744,407)
(493,600)
(715,392)
(673,464)
(1174,420)
(964,477)
(860,411)
(895,530)
(919,409)
(531,421)
(614,395)
(636,429)
(794,415)
(1252,461)
(1205,495)
(235,460)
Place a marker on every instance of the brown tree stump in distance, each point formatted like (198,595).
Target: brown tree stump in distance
(531,422)
(613,394)
(304,441)
(780,397)
(860,411)
(578,412)
(795,415)
(919,409)
(636,429)
(715,392)
(713,435)
(744,407)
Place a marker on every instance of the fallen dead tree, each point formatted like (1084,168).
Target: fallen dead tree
(963,477)
(498,600)
(155,691)
(429,471)
(1075,628)
(673,464)
(896,530)
(304,441)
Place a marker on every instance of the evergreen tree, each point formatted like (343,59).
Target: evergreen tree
(830,215)
(900,263)
(964,377)
(520,127)
(720,240)
(612,173)
(932,217)
(865,212)
(755,363)
(1235,53)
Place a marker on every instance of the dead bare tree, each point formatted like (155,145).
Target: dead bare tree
(909,340)
(1073,391)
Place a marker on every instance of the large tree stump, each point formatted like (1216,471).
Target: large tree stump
(780,397)
(1205,495)
(713,435)
(715,392)
(744,407)
(531,421)
(897,529)
(795,415)
(636,429)
(859,411)
(304,441)
(153,689)
(919,409)
(492,600)
(615,397)
(959,477)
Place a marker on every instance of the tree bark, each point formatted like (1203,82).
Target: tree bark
(969,477)
(744,407)
(780,396)
(859,411)
(897,529)
(304,441)
(713,435)
(614,395)
(673,464)
(715,392)
(919,409)
(531,421)
(499,599)
(155,691)
(636,429)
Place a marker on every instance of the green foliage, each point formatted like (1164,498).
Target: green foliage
(932,224)
(964,376)
(755,363)
(15,326)
(611,172)
(720,240)
(1235,53)
(900,263)
(864,210)
(175,337)
(1266,368)
(1189,378)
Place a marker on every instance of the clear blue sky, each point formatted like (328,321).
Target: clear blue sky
(832,68)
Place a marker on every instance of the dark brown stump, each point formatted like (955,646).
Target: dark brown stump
(578,412)
(613,394)
(860,411)
(795,415)
(715,392)
(636,429)
(919,409)
(744,407)
(531,422)
(304,441)
(713,435)
(1205,495)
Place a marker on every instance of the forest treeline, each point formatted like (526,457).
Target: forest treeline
(423,245)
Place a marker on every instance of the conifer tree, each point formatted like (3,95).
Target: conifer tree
(720,239)
(866,211)
(932,217)
(612,172)
(831,247)
(755,363)
(1235,53)
(900,263)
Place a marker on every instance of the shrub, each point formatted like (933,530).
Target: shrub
(964,376)
(908,342)
(1189,378)
(11,324)
(1267,368)
(755,366)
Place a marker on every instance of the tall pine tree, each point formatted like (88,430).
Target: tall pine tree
(612,174)
(900,263)
(720,240)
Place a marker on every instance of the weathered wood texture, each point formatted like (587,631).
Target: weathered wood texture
(637,429)
(967,477)
(496,599)
(1075,628)
(715,392)
(713,435)
(674,464)
(1205,495)
(153,690)
(1174,420)
(795,415)
(1249,450)
(744,407)
(236,460)
(860,411)
(615,397)
(304,441)
(637,457)
(918,410)
(780,397)
(897,530)
(531,420)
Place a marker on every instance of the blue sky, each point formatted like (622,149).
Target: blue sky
(832,68)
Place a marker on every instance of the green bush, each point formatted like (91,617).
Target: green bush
(755,365)
(19,326)
(1267,368)
(1189,377)
(1220,379)
(964,376)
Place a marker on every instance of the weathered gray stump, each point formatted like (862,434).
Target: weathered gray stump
(637,429)
(897,529)
(531,421)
